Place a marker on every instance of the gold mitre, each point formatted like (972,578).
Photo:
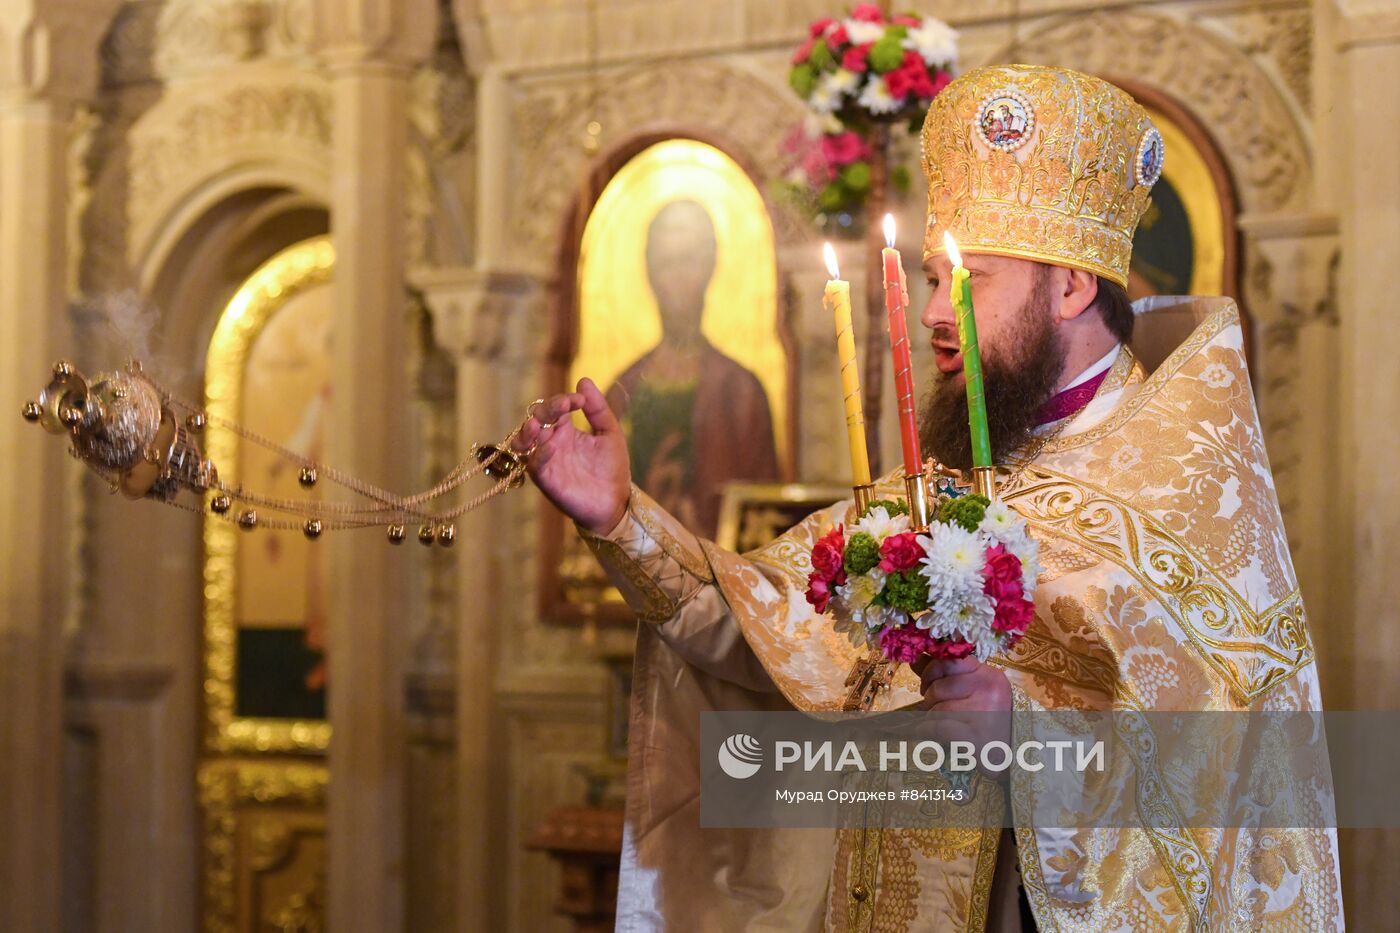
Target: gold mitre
(1039,163)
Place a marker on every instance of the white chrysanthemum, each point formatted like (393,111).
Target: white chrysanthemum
(879,524)
(847,623)
(1027,549)
(953,568)
(876,618)
(988,642)
(824,98)
(860,589)
(957,550)
(1000,522)
(842,81)
(816,125)
(876,96)
(935,41)
(860,32)
(968,619)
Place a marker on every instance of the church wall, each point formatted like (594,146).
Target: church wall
(210,112)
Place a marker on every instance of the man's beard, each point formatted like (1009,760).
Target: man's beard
(1018,378)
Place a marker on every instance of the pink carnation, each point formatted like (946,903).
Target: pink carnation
(837,38)
(904,643)
(899,82)
(900,552)
(950,649)
(1013,615)
(817,167)
(940,81)
(818,592)
(911,77)
(804,52)
(821,26)
(828,556)
(857,58)
(1002,566)
(913,22)
(844,148)
(867,13)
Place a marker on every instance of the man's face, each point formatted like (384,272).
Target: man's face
(680,254)
(1022,355)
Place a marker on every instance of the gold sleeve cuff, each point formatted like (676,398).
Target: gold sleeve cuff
(653,560)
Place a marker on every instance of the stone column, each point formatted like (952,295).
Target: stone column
(1359,125)
(369,47)
(34,330)
(1367,174)
(472,313)
(47,64)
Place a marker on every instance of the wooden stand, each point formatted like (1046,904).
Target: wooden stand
(587,844)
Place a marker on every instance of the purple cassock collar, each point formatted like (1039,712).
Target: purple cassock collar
(1071,401)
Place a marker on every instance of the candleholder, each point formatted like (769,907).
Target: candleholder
(984,481)
(865,494)
(917,492)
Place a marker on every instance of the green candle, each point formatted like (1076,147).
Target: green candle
(961,294)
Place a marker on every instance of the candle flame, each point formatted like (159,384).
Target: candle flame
(830,255)
(889,230)
(952,247)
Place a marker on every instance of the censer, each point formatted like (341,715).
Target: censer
(142,440)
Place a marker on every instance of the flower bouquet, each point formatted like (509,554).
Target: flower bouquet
(854,73)
(961,588)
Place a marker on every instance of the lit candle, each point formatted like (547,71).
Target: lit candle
(897,303)
(961,294)
(838,300)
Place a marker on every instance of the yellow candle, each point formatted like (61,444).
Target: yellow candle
(838,300)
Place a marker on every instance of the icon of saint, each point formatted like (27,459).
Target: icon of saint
(695,419)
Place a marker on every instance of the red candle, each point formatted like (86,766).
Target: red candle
(896,303)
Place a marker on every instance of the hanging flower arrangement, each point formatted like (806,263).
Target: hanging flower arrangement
(858,73)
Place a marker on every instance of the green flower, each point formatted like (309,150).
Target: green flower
(831,198)
(862,553)
(966,511)
(886,55)
(821,57)
(892,507)
(906,591)
(856,176)
(803,79)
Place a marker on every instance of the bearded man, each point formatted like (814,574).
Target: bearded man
(1130,445)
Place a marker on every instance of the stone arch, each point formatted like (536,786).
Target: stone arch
(191,151)
(738,112)
(1268,151)
(181,184)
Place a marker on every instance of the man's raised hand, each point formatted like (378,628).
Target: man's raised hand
(585,474)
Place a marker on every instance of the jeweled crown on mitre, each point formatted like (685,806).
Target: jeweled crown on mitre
(1039,163)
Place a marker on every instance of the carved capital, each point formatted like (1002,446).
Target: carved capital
(48,48)
(397,32)
(1367,22)
(1292,261)
(472,308)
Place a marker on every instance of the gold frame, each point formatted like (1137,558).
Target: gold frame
(612,249)
(268,289)
(1189,175)
(739,495)
(294,793)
